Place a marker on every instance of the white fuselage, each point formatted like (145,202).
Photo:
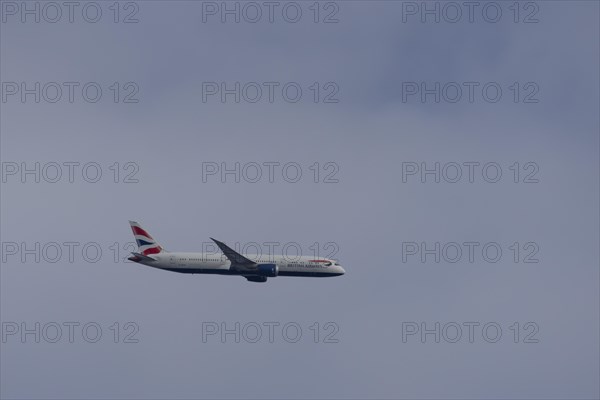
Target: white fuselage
(211,263)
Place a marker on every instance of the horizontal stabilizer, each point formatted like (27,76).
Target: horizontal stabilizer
(140,257)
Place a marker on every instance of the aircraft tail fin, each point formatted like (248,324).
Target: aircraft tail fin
(146,244)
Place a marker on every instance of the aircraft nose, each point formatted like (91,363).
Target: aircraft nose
(341,270)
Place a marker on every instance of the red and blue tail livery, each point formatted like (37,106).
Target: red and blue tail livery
(146,244)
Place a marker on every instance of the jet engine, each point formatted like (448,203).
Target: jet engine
(270,270)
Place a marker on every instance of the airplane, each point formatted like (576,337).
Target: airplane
(249,266)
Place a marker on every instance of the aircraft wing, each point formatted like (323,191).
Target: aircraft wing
(238,261)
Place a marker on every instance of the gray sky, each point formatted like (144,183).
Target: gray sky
(367,61)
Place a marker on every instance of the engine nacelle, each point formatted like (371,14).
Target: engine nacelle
(270,270)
